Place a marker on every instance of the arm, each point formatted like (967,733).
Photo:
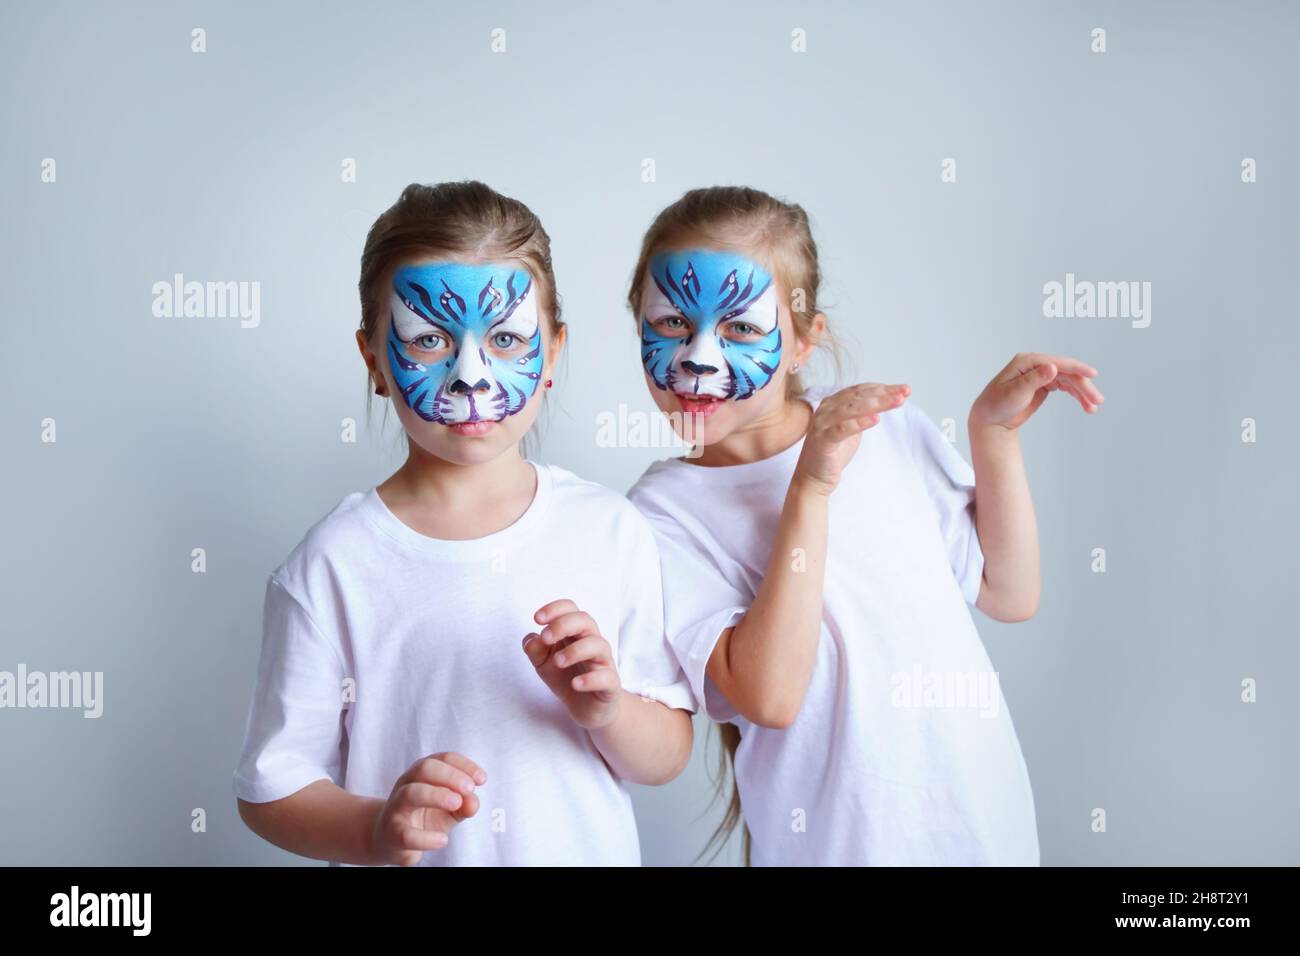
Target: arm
(1006,526)
(763,664)
(1004,510)
(642,740)
(647,742)
(321,821)
(325,822)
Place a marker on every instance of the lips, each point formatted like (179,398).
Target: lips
(473,429)
(704,405)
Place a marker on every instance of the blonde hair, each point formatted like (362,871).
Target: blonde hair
(778,235)
(753,223)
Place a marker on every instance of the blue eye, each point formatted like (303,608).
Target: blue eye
(743,328)
(429,342)
(504,340)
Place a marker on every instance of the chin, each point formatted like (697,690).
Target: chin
(468,444)
(696,423)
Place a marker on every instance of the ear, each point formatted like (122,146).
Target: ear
(555,346)
(372,364)
(816,330)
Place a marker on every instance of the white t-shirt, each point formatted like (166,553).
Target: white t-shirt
(428,634)
(903,752)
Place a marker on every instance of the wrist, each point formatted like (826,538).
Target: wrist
(371,814)
(808,488)
(609,715)
(990,433)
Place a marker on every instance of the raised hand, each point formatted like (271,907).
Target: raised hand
(576,663)
(836,430)
(1017,391)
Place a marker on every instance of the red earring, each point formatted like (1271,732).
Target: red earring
(548,383)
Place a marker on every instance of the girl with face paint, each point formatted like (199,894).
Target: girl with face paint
(820,554)
(465,663)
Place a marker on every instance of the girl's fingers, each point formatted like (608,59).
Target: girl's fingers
(1029,381)
(852,426)
(468,808)
(441,772)
(553,610)
(465,765)
(1084,386)
(602,678)
(1063,363)
(1073,391)
(417,796)
(413,838)
(859,406)
(573,623)
(536,649)
(856,392)
(592,648)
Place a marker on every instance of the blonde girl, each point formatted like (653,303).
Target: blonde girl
(465,663)
(821,555)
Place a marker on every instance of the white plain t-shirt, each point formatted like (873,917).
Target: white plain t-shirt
(428,633)
(903,752)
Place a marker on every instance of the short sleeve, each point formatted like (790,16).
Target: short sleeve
(293,735)
(950,482)
(646,664)
(699,604)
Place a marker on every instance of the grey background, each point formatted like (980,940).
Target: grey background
(183,433)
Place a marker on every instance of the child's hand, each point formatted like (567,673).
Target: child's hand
(837,427)
(426,802)
(1016,392)
(576,663)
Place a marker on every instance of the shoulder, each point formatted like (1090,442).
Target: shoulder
(584,505)
(327,542)
(647,494)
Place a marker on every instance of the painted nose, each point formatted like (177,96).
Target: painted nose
(696,369)
(461,387)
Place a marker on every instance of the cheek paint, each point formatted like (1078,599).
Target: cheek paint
(464,342)
(709,329)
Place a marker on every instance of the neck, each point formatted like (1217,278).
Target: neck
(770,433)
(425,481)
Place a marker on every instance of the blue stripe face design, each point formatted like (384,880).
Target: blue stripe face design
(709,324)
(464,342)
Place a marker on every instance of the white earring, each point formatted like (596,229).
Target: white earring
(796,367)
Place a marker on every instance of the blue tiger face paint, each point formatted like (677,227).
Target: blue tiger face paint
(464,343)
(709,327)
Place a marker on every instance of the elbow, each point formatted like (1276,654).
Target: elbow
(669,764)
(673,769)
(668,774)
(1016,615)
(765,693)
(1008,608)
(247,813)
(775,711)
(1012,612)
(253,815)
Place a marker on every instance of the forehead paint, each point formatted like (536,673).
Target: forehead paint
(730,343)
(480,344)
